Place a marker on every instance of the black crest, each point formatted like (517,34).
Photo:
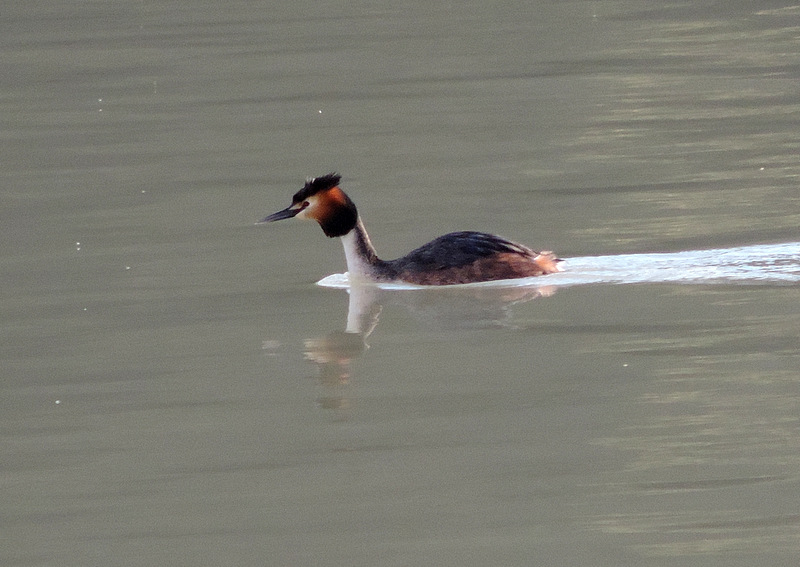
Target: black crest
(316,184)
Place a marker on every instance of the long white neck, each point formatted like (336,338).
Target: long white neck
(362,261)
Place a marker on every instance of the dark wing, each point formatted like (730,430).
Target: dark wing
(458,249)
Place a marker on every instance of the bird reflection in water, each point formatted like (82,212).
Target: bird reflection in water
(439,308)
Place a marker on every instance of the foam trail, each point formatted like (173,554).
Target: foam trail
(758,264)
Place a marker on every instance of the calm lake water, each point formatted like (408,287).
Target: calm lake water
(176,390)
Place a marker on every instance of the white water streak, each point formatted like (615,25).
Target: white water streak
(759,264)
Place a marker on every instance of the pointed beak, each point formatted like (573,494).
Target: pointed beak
(287,213)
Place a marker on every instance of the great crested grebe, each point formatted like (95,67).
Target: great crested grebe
(455,258)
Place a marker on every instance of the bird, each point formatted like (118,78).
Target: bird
(455,258)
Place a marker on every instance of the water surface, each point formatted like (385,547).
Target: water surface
(176,390)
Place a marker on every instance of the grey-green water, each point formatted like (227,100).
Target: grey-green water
(175,390)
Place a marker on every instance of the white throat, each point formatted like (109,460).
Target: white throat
(357,252)
(357,266)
